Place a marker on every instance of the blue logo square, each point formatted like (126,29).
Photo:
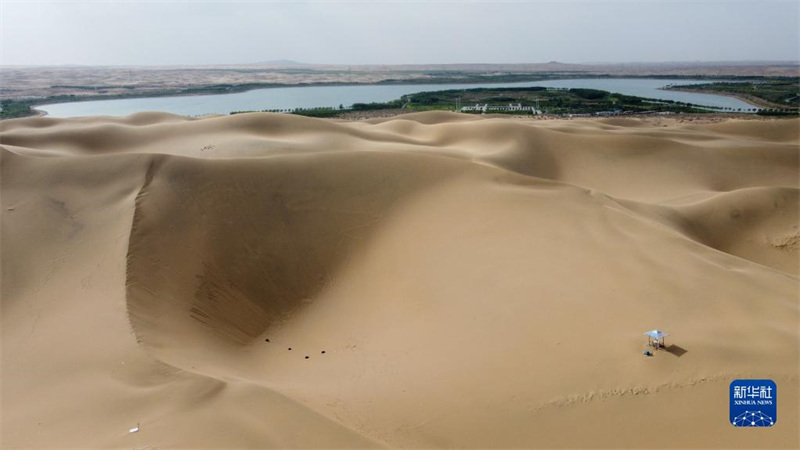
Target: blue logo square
(753,403)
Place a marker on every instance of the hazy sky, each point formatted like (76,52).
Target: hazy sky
(403,32)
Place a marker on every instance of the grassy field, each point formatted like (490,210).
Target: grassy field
(16,108)
(551,101)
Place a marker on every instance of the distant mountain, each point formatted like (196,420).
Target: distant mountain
(280,62)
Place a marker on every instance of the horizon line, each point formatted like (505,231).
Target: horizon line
(285,62)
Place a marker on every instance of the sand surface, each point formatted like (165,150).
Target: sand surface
(455,281)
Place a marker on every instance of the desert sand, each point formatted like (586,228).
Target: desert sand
(442,280)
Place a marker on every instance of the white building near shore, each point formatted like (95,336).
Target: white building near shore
(509,108)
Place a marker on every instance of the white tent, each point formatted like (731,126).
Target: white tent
(655,338)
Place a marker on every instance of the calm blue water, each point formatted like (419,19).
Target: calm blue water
(317,96)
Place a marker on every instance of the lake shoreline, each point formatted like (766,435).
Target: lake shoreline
(753,101)
(38,107)
(35,103)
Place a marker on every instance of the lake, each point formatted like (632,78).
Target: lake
(320,96)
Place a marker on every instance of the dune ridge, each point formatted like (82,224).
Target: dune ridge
(471,281)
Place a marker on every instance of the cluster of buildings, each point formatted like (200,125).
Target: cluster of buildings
(486,108)
(510,108)
(618,112)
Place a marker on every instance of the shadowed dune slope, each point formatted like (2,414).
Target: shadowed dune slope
(428,280)
(235,248)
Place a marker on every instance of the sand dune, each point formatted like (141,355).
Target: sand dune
(429,280)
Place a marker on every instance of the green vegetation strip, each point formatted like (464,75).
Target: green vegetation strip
(549,101)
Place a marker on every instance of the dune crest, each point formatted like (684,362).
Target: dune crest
(433,279)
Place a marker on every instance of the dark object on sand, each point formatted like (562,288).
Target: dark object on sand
(647,353)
